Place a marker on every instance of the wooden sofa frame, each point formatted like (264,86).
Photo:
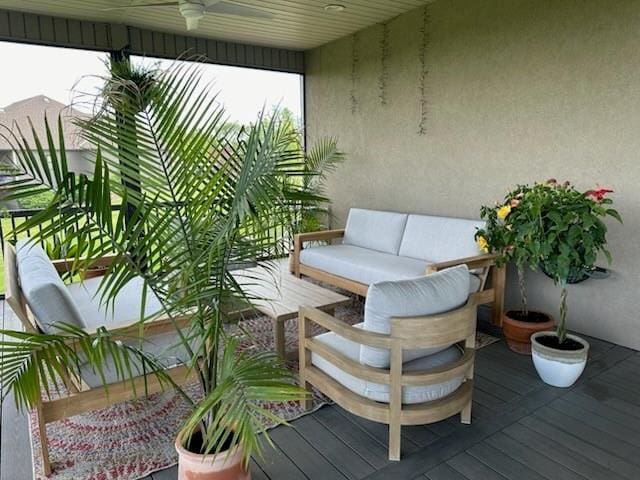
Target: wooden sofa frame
(486,263)
(455,327)
(80,397)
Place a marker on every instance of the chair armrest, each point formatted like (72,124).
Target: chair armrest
(156,326)
(478,261)
(64,265)
(345,330)
(300,238)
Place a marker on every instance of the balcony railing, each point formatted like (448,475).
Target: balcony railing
(10,219)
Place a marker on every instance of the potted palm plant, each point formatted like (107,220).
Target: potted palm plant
(194,200)
(512,232)
(572,234)
(312,215)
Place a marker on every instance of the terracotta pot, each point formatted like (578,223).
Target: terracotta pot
(225,465)
(518,332)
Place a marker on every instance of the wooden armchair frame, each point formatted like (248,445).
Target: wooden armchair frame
(485,264)
(81,398)
(455,327)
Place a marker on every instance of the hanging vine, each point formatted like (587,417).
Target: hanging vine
(422,57)
(384,67)
(354,73)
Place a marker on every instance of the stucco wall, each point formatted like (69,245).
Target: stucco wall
(517,91)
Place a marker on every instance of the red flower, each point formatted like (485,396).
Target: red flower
(598,194)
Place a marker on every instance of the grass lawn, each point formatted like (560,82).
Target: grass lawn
(6,228)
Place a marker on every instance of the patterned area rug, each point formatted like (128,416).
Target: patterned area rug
(133,439)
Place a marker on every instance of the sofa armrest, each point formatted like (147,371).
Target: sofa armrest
(300,238)
(65,265)
(478,261)
(321,235)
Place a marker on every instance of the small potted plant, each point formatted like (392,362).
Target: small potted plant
(573,232)
(511,232)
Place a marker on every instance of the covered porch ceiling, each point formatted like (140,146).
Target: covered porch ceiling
(293,25)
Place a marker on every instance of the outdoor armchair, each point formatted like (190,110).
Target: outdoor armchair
(409,363)
(39,298)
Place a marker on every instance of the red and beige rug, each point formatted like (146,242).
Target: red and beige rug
(133,439)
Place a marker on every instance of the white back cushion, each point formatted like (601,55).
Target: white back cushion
(436,293)
(374,229)
(438,239)
(43,288)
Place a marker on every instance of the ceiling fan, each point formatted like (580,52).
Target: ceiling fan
(194,10)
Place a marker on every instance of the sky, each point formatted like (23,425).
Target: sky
(61,73)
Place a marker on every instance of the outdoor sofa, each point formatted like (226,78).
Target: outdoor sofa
(378,246)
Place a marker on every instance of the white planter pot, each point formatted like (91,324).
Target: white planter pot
(558,368)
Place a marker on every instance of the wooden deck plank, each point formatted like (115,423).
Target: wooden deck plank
(303,455)
(531,458)
(615,409)
(599,438)
(364,444)
(275,464)
(472,468)
(345,459)
(15,445)
(502,463)
(618,430)
(379,431)
(582,446)
(444,472)
(495,389)
(559,453)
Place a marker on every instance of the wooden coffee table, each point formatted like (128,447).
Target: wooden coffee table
(279,295)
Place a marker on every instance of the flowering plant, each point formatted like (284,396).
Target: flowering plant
(510,233)
(551,225)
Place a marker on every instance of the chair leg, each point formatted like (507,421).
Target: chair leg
(42,433)
(394,441)
(465,414)
(307,402)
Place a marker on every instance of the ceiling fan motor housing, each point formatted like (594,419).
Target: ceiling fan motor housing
(193,12)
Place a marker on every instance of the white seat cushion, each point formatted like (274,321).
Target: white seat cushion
(123,310)
(438,239)
(380,392)
(361,264)
(368,266)
(43,288)
(375,230)
(428,295)
(166,348)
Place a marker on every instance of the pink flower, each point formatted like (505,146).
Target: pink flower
(598,194)
(514,202)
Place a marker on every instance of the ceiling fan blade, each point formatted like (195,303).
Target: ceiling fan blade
(158,4)
(228,8)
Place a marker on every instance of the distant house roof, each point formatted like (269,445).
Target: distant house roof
(35,108)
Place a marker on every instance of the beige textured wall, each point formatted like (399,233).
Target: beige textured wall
(518,91)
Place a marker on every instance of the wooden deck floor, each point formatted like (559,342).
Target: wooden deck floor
(522,430)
